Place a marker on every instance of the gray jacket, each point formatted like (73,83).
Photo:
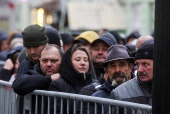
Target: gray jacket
(134,91)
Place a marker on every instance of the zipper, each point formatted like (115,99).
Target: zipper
(84,76)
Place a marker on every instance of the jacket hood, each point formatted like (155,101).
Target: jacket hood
(70,74)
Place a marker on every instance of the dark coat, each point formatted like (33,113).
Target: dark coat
(25,65)
(5,74)
(104,92)
(30,81)
(71,80)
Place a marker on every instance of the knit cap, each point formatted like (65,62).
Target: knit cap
(145,51)
(34,35)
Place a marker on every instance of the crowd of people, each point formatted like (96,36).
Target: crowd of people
(98,64)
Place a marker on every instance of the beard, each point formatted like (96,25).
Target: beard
(118,78)
(31,58)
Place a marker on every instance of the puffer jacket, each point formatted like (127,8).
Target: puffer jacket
(134,91)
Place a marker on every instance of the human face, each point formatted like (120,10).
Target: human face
(16,65)
(119,70)
(50,61)
(99,52)
(80,61)
(4,45)
(34,52)
(145,69)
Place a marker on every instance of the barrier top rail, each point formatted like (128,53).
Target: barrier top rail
(87,98)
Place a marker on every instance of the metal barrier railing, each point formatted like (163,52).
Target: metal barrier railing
(2,64)
(68,103)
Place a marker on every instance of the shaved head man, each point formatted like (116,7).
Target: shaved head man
(141,40)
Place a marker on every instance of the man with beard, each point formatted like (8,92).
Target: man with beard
(139,89)
(34,39)
(118,67)
(46,71)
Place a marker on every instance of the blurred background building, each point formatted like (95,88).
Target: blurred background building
(124,16)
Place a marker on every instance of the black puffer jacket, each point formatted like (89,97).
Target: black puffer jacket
(71,80)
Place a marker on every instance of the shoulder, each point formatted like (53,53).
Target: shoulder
(89,89)
(127,89)
(100,93)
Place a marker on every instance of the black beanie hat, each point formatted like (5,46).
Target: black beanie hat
(145,51)
(53,36)
(34,35)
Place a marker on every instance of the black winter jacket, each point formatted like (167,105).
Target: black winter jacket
(103,92)
(30,81)
(25,65)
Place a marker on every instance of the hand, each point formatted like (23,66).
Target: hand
(55,76)
(8,64)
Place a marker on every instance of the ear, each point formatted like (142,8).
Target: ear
(106,70)
(131,66)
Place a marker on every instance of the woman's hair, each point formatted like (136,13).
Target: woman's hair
(82,48)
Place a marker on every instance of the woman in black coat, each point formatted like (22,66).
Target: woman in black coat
(76,72)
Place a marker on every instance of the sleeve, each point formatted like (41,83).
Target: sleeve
(27,83)
(5,74)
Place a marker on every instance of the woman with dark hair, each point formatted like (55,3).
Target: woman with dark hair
(76,72)
(9,70)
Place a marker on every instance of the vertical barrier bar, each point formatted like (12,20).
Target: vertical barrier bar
(81,107)
(102,108)
(74,107)
(48,105)
(55,105)
(68,106)
(61,109)
(27,104)
(36,104)
(42,104)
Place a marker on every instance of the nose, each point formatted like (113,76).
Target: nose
(49,63)
(118,69)
(139,68)
(100,51)
(82,62)
(32,49)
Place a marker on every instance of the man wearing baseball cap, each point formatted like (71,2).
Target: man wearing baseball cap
(139,89)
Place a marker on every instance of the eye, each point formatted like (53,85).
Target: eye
(145,63)
(86,59)
(44,60)
(54,61)
(96,48)
(77,59)
(122,64)
(105,48)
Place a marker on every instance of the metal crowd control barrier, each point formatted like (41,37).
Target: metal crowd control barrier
(2,64)
(8,102)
